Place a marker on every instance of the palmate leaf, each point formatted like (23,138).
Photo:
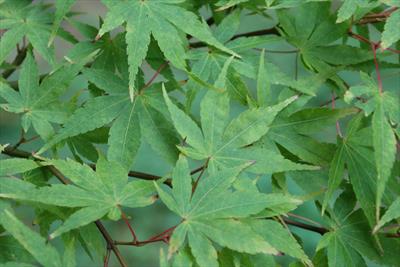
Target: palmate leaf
(350,242)
(306,26)
(208,214)
(381,104)
(224,144)
(22,19)
(39,103)
(360,162)
(161,19)
(95,193)
(208,64)
(132,120)
(35,244)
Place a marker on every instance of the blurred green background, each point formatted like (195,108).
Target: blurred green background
(156,218)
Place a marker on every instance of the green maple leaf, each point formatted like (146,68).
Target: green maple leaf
(208,64)
(131,120)
(213,213)
(225,144)
(305,27)
(385,111)
(20,18)
(161,19)
(39,102)
(350,240)
(94,193)
(355,152)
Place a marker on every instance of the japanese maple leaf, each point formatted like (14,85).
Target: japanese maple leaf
(95,194)
(162,19)
(39,102)
(225,144)
(214,211)
(350,241)
(130,120)
(20,19)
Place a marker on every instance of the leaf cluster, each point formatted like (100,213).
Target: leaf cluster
(254,134)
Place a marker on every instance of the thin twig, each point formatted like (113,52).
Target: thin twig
(163,237)
(246,34)
(304,219)
(158,71)
(375,18)
(317,229)
(129,227)
(200,175)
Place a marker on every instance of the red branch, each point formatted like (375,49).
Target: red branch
(129,227)
(158,71)
(163,237)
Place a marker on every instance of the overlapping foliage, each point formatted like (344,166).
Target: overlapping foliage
(248,143)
